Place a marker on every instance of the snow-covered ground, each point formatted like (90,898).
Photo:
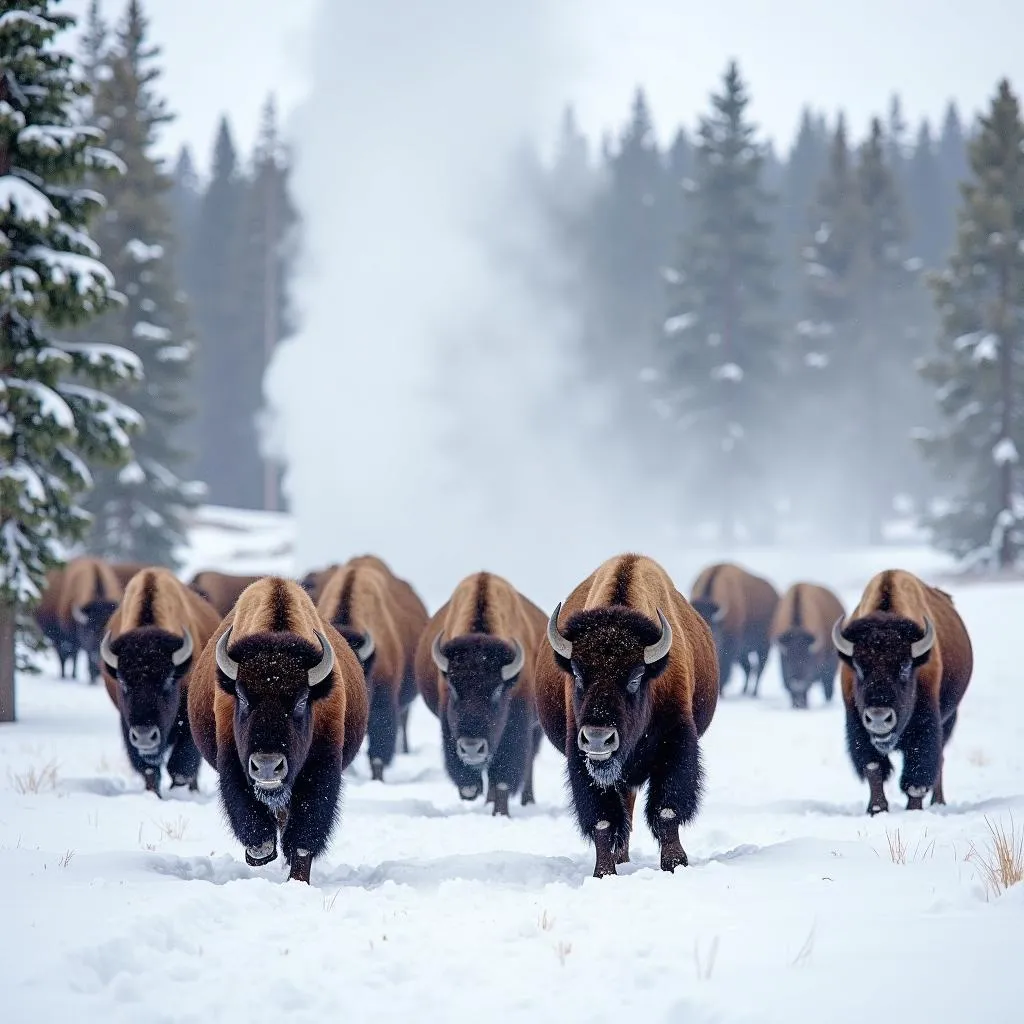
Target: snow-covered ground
(116,907)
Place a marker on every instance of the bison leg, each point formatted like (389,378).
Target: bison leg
(601,814)
(251,821)
(868,763)
(405,729)
(312,811)
(762,660)
(382,729)
(507,770)
(531,755)
(674,790)
(150,772)
(183,764)
(489,799)
(921,744)
(629,800)
(938,793)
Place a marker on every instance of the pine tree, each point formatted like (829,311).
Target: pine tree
(139,510)
(184,206)
(980,353)
(930,238)
(720,339)
(53,415)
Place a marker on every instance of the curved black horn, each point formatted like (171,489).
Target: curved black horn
(559,644)
(435,652)
(184,652)
(511,670)
(842,645)
(925,644)
(367,647)
(323,668)
(224,661)
(719,613)
(658,650)
(108,656)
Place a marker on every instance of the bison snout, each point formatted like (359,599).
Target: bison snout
(145,738)
(472,750)
(268,770)
(879,721)
(598,742)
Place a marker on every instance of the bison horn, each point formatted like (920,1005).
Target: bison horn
(224,661)
(842,645)
(325,666)
(79,616)
(435,652)
(658,651)
(719,614)
(559,644)
(184,652)
(510,671)
(367,648)
(925,644)
(108,656)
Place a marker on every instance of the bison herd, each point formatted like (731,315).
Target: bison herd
(276,683)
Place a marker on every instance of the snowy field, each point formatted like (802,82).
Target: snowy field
(116,907)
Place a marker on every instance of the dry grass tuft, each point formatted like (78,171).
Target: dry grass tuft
(1001,862)
(899,848)
(978,758)
(546,922)
(803,956)
(705,969)
(175,829)
(65,858)
(562,951)
(35,780)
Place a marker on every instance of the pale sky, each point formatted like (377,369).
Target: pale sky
(226,55)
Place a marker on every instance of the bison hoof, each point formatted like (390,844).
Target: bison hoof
(301,866)
(527,797)
(622,855)
(915,803)
(673,856)
(603,869)
(469,792)
(877,807)
(257,856)
(501,800)
(377,769)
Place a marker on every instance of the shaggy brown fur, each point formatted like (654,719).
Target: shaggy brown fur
(62,639)
(922,694)
(658,711)
(271,707)
(147,689)
(364,598)
(88,597)
(125,571)
(478,627)
(314,580)
(802,630)
(743,605)
(221,589)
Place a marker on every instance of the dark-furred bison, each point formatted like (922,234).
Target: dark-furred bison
(474,668)
(277,704)
(152,642)
(89,595)
(372,610)
(907,662)
(221,589)
(627,685)
(738,606)
(802,632)
(62,636)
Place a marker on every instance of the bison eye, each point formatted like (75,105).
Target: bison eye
(633,683)
(578,676)
(241,700)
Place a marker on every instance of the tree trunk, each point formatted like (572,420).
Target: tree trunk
(7,657)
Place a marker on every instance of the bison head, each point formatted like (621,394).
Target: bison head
(613,654)
(362,644)
(480,673)
(91,623)
(712,613)
(274,679)
(799,652)
(884,652)
(148,664)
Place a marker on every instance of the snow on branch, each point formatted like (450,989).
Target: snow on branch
(26,479)
(101,356)
(144,331)
(678,324)
(1005,451)
(99,159)
(84,272)
(112,415)
(17,21)
(25,201)
(139,252)
(50,404)
(78,240)
(53,139)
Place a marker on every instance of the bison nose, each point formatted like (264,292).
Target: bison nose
(268,770)
(879,721)
(472,750)
(144,738)
(598,742)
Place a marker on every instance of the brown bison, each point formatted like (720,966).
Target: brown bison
(382,619)
(126,571)
(738,607)
(313,582)
(62,636)
(220,588)
(907,661)
(277,704)
(153,640)
(474,668)
(802,631)
(628,686)
(89,595)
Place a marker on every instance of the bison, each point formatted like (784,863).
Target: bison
(907,661)
(313,582)
(88,597)
(151,644)
(738,607)
(62,636)
(382,619)
(474,668)
(278,705)
(627,688)
(126,571)
(220,589)
(802,631)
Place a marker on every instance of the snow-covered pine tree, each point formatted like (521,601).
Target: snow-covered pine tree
(53,415)
(720,340)
(978,369)
(139,509)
